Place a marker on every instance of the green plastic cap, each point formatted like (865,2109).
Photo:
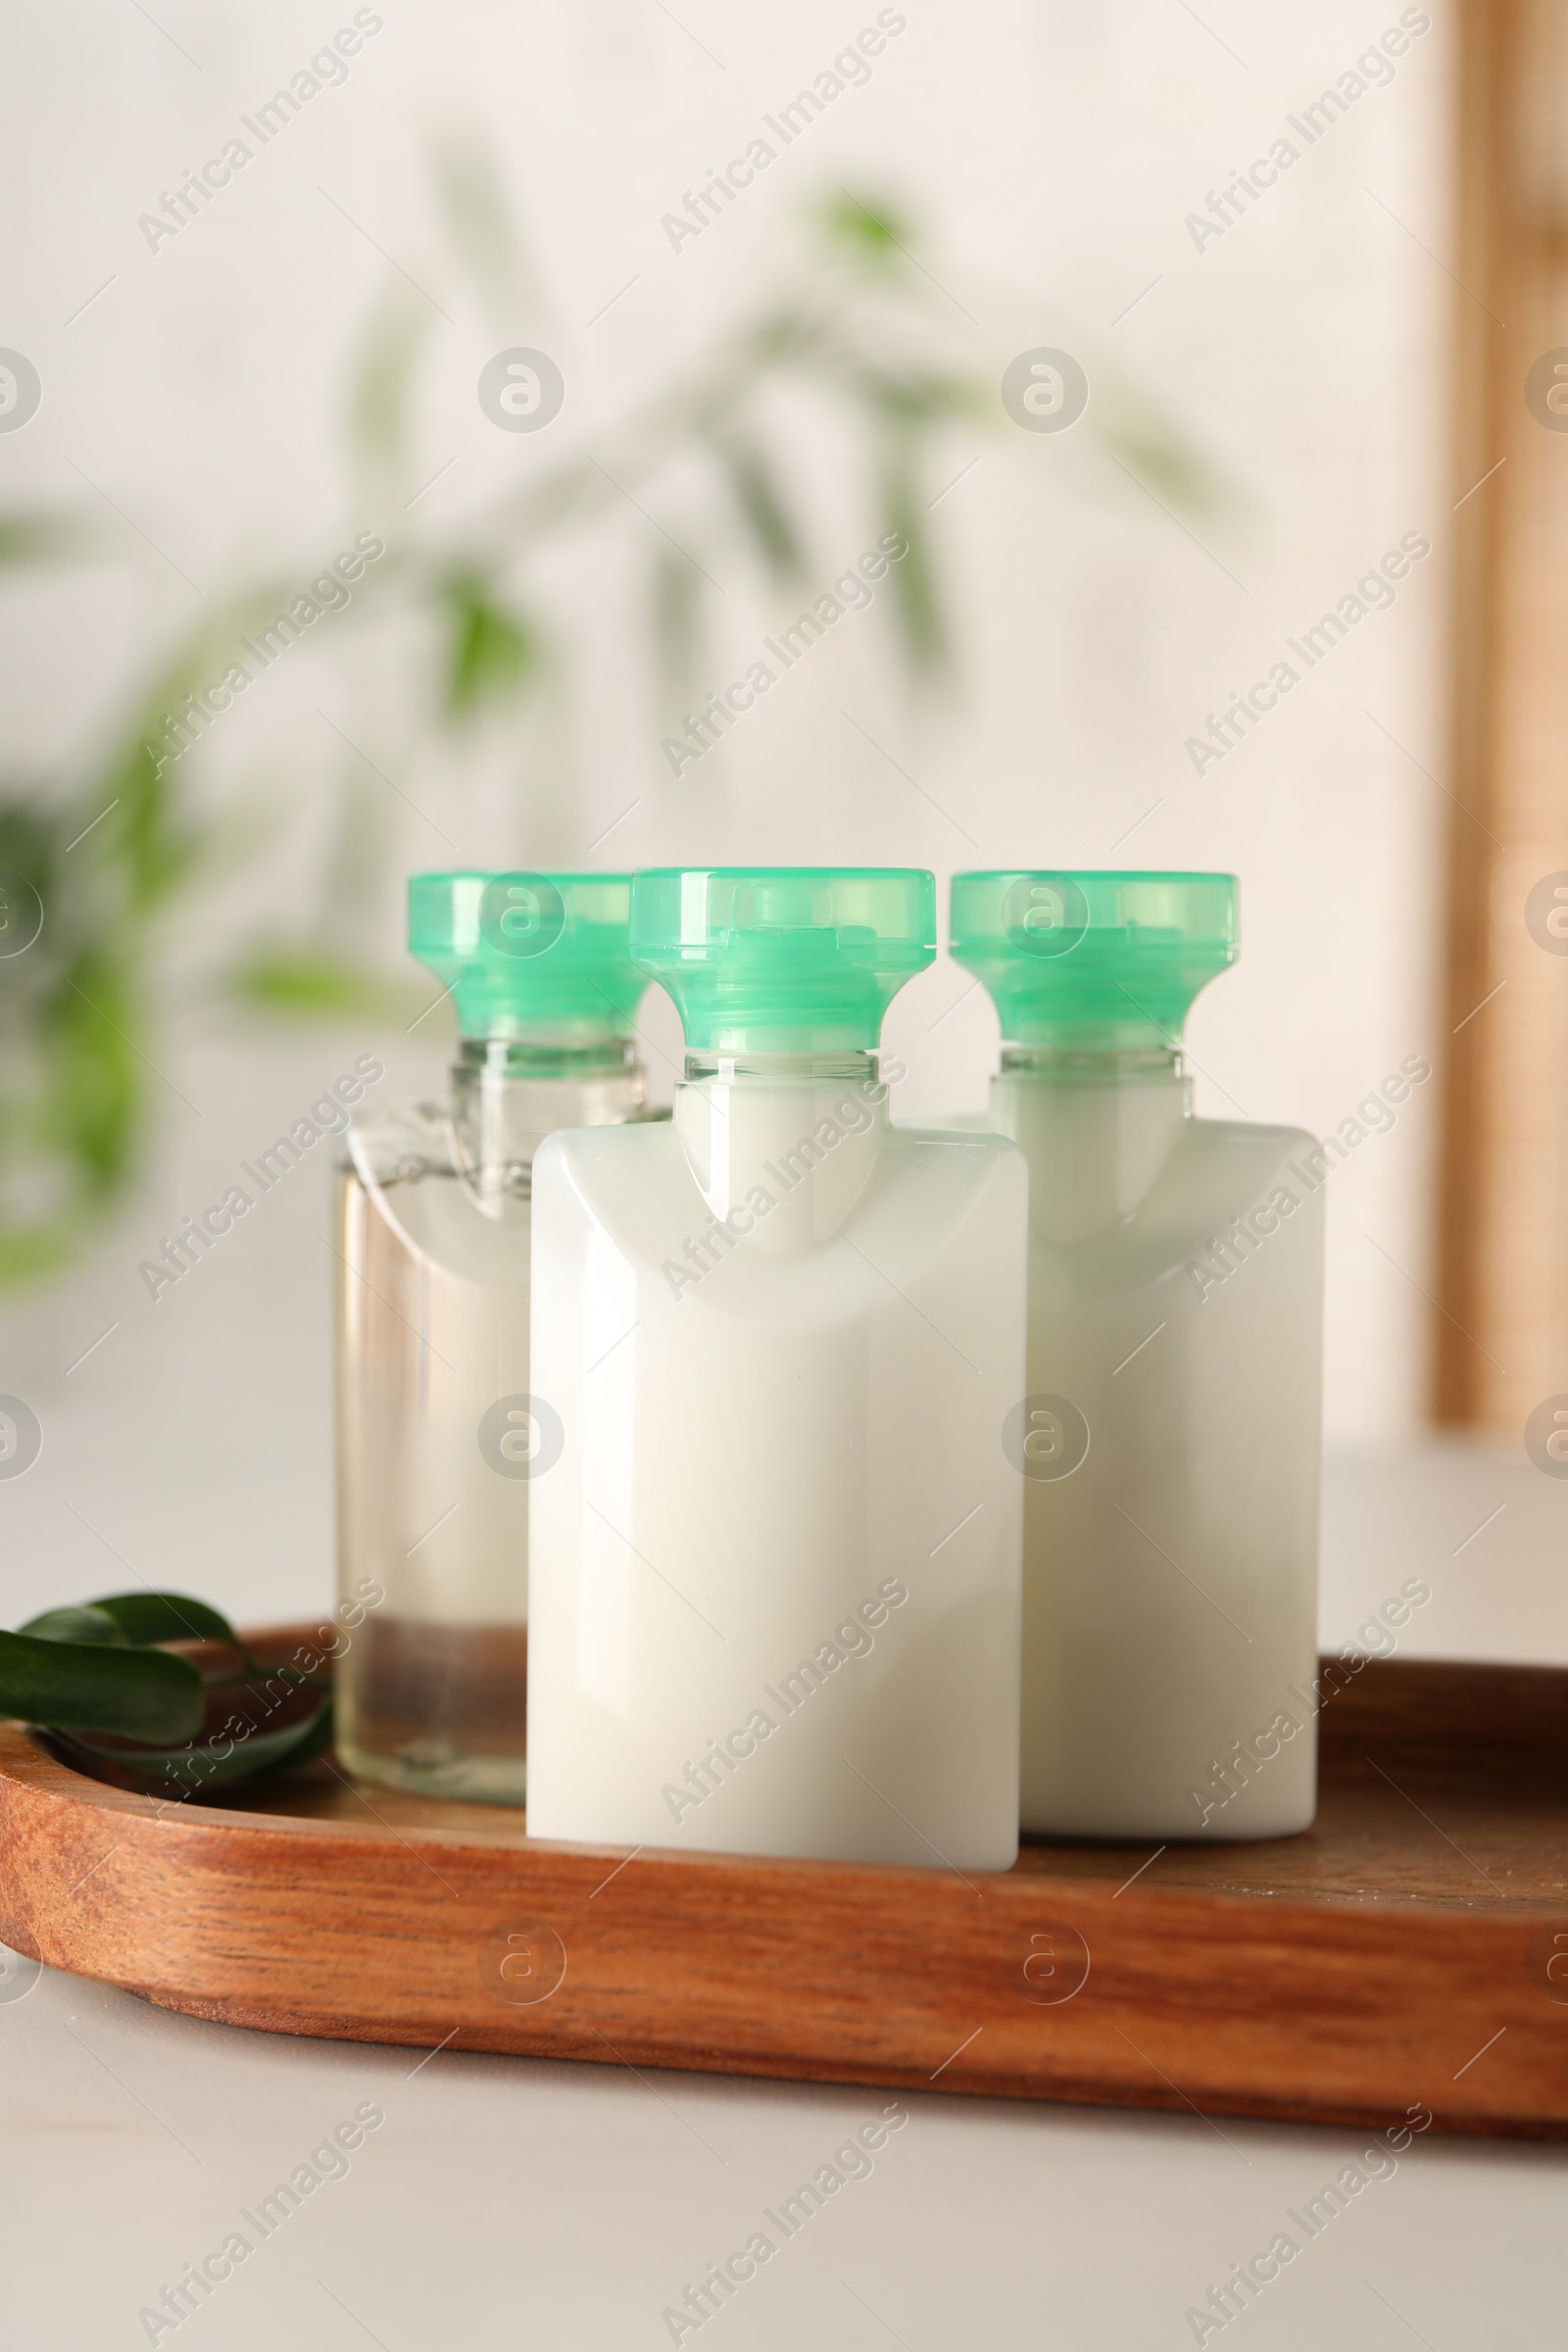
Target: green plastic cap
(1094,960)
(783,959)
(538,958)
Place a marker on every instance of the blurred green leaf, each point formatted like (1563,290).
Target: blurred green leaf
(39,535)
(90,1108)
(479,218)
(675,589)
(383,378)
(1163,463)
(311,983)
(756,493)
(851,223)
(491,652)
(32,1249)
(916,601)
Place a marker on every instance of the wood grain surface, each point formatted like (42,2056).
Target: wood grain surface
(1411,1950)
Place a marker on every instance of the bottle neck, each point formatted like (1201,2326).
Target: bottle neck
(508,1095)
(1069,1064)
(1097,1124)
(849,1067)
(789,1139)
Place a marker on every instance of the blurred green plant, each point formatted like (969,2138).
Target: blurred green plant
(855,324)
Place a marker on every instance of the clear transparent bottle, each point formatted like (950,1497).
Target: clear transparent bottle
(438,1434)
(1170,1438)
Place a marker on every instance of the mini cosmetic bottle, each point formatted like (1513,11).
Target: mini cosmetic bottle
(1168,1446)
(438,1433)
(774,1572)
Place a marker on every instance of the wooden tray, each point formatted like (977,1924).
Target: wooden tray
(1409,1951)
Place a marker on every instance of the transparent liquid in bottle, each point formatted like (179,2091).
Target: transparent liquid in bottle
(437,1435)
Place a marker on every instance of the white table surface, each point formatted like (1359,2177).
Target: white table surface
(507,2201)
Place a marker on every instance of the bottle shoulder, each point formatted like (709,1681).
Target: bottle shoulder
(638,1191)
(398,1140)
(651,1149)
(1219,1165)
(1254,1135)
(403,1161)
(405,1139)
(981,1142)
(1217,1174)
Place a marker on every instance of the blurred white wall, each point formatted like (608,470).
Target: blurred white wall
(1050,154)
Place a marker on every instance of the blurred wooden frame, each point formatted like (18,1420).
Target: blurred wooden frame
(1503,1256)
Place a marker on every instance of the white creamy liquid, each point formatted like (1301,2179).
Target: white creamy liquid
(1170,1578)
(774,1578)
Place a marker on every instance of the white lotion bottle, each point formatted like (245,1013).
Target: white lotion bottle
(775,1574)
(1169,1443)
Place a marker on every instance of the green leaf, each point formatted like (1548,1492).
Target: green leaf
(1159,461)
(314,984)
(866,229)
(491,651)
(315,1740)
(142,1694)
(760,502)
(384,377)
(90,1112)
(30,1251)
(36,535)
(88,1623)
(675,612)
(916,601)
(472,190)
(194,1766)
(145,1617)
